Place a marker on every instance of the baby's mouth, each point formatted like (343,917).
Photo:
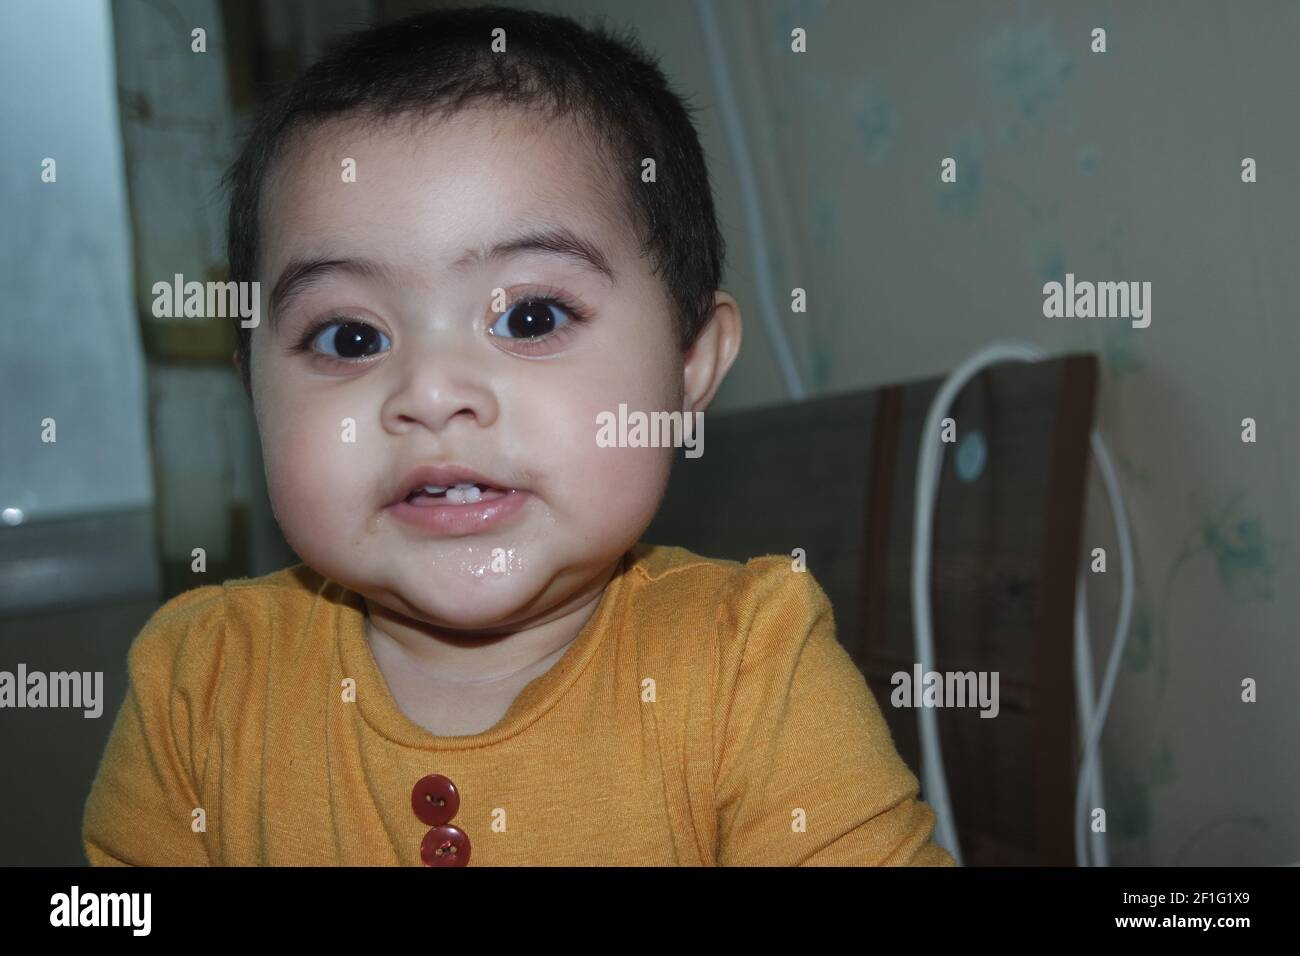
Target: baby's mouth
(461,493)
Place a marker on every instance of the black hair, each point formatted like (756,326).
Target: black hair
(442,62)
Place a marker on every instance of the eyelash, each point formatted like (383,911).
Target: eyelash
(545,295)
(548,295)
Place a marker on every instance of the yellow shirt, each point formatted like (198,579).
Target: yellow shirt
(704,715)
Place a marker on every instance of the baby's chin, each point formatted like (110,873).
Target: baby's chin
(461,595)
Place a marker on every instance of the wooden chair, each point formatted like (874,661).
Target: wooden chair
(1006,550)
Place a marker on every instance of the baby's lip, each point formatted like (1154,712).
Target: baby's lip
(446,476)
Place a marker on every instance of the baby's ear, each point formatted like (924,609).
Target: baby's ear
(712,353)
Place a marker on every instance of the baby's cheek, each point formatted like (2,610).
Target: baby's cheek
(313,475)
(623,477)
(630,485)
(290,495)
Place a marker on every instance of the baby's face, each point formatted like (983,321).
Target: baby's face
(430,373)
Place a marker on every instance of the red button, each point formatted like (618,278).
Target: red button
(435,799)
(445,846)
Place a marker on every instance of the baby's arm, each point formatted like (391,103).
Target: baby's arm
(807,772)
(141,806)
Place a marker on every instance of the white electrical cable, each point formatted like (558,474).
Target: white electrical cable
(1128,585)
(935,782)
(1085,700)
(749,199)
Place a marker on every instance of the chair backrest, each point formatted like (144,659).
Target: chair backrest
(836,477)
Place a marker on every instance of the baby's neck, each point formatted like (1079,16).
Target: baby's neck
(410,649)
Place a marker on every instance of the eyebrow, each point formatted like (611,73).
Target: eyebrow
(552,240)
(299,275)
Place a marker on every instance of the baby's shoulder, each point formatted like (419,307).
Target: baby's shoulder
(681,566)
(750,623)
(673,583)
(198,631)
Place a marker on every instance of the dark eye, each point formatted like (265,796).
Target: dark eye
(530,319)
(350,339)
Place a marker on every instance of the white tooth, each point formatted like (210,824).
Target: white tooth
(462,485)
(461,495)
(435,489)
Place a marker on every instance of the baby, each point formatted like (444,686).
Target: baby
(479,230)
